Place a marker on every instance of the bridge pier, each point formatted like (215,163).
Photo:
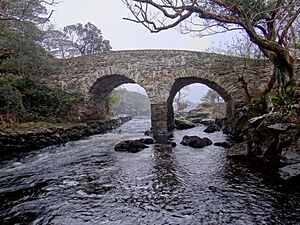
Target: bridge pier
(159,122)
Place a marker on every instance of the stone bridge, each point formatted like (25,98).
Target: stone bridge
(162,73)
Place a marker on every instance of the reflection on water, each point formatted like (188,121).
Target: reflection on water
(87,182)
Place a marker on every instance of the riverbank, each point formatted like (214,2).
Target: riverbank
(19,140)
(266,135)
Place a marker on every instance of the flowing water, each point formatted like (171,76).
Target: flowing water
(87,182)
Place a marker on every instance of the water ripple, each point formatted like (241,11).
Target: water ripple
(87,182)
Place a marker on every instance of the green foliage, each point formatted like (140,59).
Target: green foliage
(34,102)
(25,10)
(179,102)
(20,35)
(21,98)
(278,97)
(56,43)
(26,58)
(11,99)
(211,97)
(114,99)
(132,103)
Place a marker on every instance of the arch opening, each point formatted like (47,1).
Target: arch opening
(115,94)
(180,83)
(130,99)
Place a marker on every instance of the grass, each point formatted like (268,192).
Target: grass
(31,125)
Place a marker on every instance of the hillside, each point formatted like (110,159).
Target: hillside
(132,103)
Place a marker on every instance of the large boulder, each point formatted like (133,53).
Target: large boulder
(148,133)
(223,144)
(196,120)
(132,146)
(256,121)
(212,128)
(290,171)
(207,122)
(172,144)
(195,141)
(183,124)
(147,141)
(290,147)
(273,139)
(270,147)
(262,122)
(239,150)
(195,113)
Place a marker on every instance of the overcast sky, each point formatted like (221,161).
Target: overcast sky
(107,15)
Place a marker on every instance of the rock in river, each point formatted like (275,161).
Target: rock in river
(132,146)
(183,124)
(147,141)
(206,122)
(239,150)
(290,171)
(223,144)
(195,141)
(148,133)
(212,128)
(196,114)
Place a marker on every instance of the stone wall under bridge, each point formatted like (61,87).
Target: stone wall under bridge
(161,73)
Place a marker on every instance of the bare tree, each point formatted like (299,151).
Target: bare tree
(247,51)
(179,99)
(211,97)
(268,23)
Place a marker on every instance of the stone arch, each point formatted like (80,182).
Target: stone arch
(185,81)
(101,89)
(160,72)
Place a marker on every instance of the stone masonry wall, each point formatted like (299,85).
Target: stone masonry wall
(157,70)
(161,73)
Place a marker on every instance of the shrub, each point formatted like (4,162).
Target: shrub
(31,101)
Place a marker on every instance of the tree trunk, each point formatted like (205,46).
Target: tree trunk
(286,73)
(283,72)
(280,57)
(271,82)
(285,65)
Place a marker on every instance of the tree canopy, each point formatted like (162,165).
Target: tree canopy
(20,34)
(25,10)
(75,40)
(270,24)
(211,97)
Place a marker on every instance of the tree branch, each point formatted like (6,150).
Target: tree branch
(288,26)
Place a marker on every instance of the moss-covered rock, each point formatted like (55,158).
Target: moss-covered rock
(181,124)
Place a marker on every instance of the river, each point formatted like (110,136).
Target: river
(87,182)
